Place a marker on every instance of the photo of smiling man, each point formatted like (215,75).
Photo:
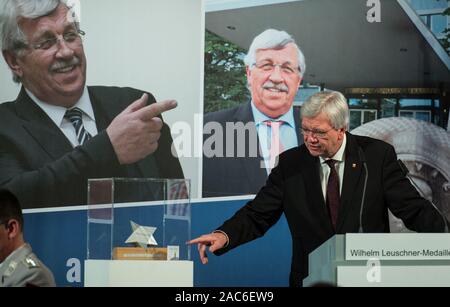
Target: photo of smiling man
(253,134)
(59,132)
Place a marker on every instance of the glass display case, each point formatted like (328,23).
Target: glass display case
(138,219)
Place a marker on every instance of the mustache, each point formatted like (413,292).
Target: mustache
(278,86)
(63,64)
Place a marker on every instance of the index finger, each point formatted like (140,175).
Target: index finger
(202,239)
(155,109)
(137,105)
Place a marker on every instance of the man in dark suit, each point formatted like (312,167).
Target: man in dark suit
(58,133)
(319,187)
(241,144)
(19,266)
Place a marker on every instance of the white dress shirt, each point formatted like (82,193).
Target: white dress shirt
(340,165)
(56,114)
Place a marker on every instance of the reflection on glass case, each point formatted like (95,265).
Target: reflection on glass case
(138,219)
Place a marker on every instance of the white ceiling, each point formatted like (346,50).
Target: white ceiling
(342,49)
(220,5)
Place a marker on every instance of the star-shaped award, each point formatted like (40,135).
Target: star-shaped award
(142,235)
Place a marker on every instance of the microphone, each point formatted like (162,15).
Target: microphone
(405,171)
(362,157)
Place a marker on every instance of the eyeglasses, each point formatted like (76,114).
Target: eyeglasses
(270,67)
(71,38)
(315,133)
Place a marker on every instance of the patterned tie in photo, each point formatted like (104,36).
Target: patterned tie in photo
(75,116)
(276,147)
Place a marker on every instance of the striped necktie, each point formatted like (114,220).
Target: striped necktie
(75,116)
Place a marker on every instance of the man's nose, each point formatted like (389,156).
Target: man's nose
(312,138)
(275,75)
(64,50)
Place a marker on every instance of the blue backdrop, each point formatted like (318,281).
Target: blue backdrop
(59,239)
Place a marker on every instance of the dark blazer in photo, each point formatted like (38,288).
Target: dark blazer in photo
(40,166)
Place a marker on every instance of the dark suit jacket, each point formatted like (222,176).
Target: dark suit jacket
(294,188)
(236,175)
(40,166)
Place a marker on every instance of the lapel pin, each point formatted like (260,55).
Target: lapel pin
(354,165)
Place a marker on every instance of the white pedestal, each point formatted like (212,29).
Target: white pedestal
(135,273)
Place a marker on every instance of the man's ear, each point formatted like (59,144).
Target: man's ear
(248,72)
(13,227)
(11,60)
(299,82)
(342,133)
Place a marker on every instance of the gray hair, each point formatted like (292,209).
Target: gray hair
(273,39)
(333,104)
(11,36)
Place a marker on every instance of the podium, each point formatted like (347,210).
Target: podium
(137,231)
(381,260)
